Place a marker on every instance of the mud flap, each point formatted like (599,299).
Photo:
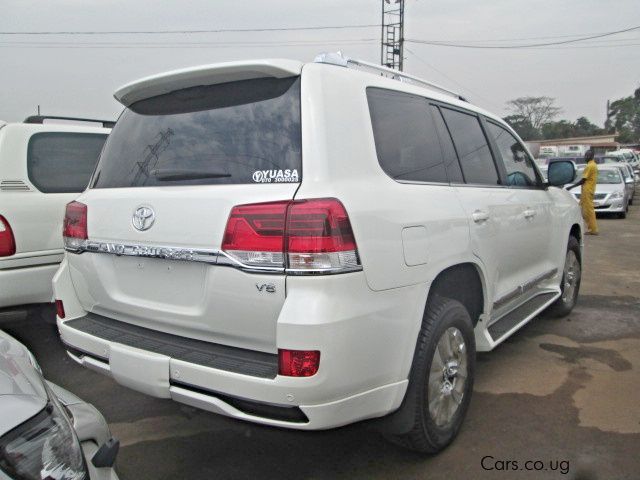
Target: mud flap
(139,370)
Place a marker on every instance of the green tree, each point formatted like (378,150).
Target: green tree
(523,127)
(624,117)
(583,127)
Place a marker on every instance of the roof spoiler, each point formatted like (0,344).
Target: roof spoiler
(205,75)
(42,118)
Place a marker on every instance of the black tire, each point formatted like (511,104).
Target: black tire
(443,316)
(565,303)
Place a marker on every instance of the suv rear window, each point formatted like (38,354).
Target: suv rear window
(62,162)
(232,133)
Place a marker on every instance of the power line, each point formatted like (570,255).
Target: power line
(219,43)
(166,32)
(184,45)
(512,39)
(453,80)
(531,45)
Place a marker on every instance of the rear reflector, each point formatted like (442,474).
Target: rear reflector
(303,236)
(7,240)
(60,308)
(298,363)
(74,229)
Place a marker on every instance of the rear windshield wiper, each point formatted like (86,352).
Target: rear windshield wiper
(169,174)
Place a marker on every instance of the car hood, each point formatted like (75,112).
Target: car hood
(22,392)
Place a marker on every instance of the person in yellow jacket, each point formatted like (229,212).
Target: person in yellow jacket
(588,182)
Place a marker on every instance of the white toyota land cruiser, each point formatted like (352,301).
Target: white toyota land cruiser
(309,245)
(44,164)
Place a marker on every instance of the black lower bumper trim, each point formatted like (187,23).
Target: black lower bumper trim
(222,357)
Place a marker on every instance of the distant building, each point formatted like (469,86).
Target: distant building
(575,146)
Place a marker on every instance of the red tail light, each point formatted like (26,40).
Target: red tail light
(7,240)
(60,308)
(302,235)
(74,229)
(298,363)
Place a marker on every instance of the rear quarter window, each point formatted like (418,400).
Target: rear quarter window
(406,137)
(62,162)
(241,132)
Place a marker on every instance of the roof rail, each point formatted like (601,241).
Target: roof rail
(42,118)
(341,60)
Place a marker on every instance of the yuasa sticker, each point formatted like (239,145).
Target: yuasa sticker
(276,176)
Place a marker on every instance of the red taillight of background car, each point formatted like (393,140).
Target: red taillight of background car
(74,229)
(298,363)
(7,240)
(313,236)
(59,308)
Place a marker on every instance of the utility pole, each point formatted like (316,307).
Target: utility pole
(392,39)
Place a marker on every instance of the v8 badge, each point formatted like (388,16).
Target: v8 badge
(266,287)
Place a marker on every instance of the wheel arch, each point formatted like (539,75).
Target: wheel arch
(448,284)
(576,232)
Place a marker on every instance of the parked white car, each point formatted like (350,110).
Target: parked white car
(626,170)
(310,245)
(43,166)
(627,155)
(612,195)
(47,432)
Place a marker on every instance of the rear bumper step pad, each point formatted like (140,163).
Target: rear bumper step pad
(221,357)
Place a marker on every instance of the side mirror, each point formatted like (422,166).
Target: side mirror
(561,172)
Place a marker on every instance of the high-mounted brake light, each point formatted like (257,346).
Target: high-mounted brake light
(298,363)
(7,240)
(303,236)
(74,229)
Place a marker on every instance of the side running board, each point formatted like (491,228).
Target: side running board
(506,323)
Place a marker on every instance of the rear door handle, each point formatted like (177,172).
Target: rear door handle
(479,216)
(529,213)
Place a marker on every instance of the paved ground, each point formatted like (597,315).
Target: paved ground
(558,391)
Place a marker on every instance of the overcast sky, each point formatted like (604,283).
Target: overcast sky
(78,79)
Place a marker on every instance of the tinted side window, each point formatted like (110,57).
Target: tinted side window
(471,145)
(518,165)
(448,151)
(62,162)
(405,136)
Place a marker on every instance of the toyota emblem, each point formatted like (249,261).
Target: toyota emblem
(143,218)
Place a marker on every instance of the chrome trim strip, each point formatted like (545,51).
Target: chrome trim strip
(185,254)
(524,288)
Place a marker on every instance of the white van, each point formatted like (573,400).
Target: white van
(310,245)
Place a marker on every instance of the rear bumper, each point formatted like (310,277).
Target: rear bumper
(231,394)
(32,284)
(366,340)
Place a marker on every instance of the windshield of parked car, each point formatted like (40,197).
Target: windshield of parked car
(609,177)
(232,133)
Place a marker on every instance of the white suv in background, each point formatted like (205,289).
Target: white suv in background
(310,245)
(44,164)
